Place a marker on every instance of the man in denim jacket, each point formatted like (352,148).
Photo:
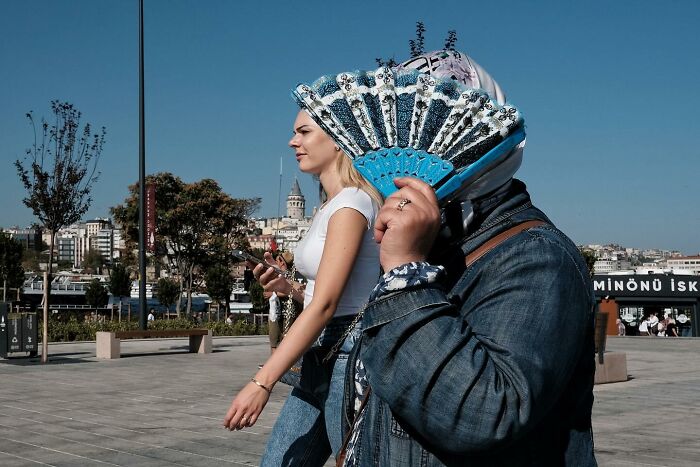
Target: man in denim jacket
(487,365)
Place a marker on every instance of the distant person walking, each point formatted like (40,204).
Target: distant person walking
(671,326)
(620,328)
(644,327)
(279,303)
(151,316)
(653,326)
(274,318)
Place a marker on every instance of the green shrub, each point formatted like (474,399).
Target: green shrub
(238,328)
(73,329)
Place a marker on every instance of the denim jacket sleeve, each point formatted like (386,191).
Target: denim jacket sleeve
(478,368)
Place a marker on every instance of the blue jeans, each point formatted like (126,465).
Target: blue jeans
(308,428)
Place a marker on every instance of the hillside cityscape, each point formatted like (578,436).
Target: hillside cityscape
(98,242)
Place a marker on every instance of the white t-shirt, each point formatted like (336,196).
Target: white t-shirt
(274,307)
(644,326)
(365,272)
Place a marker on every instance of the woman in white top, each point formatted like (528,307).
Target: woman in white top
(340,259)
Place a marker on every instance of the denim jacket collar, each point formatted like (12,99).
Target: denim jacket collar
(495,214)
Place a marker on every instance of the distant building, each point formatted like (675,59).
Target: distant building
(74,242)
(606,266)
(102,242)
(30,238)
(685,263)
(633,297)
(118,243)
(82,246)
(286,231)
(262,242)
(296,204)
(66,248)
(94,226)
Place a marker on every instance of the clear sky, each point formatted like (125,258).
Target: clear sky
(609,91)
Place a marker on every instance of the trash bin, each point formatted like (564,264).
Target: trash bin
(18,331)
(4,311)
(30,333)
(14,332)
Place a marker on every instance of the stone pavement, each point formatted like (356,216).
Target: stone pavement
(653,419)
(156,406)
(161,406)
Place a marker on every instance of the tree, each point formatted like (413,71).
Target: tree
(58,172)
(219,284)
(167,188)
(31,261)
(204,226)
(257,297)
(197,225)
(11,272)
(96,295)
(32,257)
(119,283)
(168,292)
(590,259)
(93,262)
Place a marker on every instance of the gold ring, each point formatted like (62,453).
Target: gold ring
(402,203)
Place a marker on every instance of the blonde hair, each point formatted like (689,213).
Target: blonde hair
(349,176)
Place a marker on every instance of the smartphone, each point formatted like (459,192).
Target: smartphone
(242,255)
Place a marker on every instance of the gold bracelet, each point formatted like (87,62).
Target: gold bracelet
(269,391)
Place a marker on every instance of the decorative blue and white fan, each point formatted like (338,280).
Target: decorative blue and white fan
(404,123)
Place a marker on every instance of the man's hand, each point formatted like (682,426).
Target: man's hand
(404,229)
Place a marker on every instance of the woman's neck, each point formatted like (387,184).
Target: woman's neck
(331,183)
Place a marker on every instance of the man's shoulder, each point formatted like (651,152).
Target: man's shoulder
(544,250)
(544,238)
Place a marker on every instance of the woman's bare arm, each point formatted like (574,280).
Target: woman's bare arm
(345,232)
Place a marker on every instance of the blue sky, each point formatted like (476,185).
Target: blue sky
(607,89)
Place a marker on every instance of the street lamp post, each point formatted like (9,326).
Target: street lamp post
(142,183)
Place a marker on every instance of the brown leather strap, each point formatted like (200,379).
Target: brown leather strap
(340,460)
(498,239)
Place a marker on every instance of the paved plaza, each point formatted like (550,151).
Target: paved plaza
(161,406)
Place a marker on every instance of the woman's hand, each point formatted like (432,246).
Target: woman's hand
(268,278)
(246,407)
(406,230)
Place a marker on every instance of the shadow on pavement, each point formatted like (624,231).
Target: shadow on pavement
(36,361)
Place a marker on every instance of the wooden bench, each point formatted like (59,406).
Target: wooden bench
(109,343)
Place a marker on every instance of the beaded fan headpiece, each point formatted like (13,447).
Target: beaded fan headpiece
(396,123)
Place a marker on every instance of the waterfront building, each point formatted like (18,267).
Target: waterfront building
(632,297)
